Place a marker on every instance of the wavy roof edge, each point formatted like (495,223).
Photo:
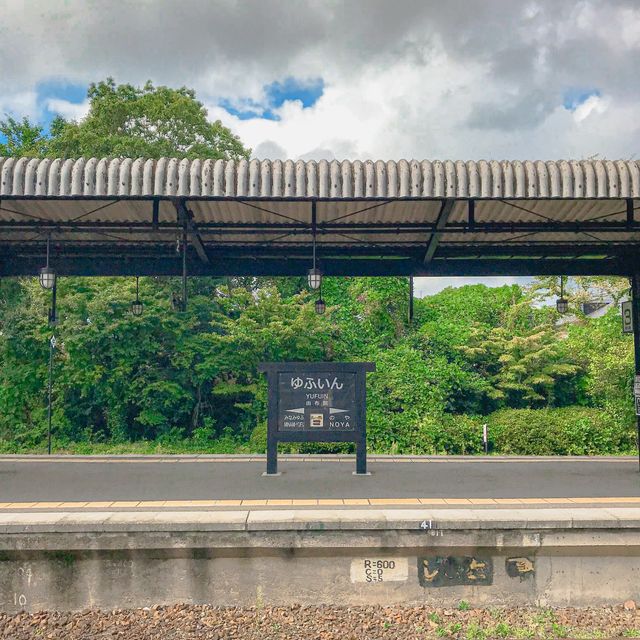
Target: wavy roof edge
(359,179)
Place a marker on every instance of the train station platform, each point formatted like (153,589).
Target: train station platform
(124,532)
(201,481)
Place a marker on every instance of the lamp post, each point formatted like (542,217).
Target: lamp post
(48,281)
(314,277)
(52,347)
(47,276)
(562,304)
(136,306)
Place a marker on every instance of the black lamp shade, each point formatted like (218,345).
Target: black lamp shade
(137,308)
(314,278)
(321,307)
(562,305)
(47,278)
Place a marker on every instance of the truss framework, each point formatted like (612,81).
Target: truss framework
(271,242)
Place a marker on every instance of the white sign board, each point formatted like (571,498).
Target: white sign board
(372,570)
(627,317)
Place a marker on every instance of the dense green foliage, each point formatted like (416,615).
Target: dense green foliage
(22,139)
(127,121)
(188,381)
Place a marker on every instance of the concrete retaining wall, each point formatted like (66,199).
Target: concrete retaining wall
(551,557)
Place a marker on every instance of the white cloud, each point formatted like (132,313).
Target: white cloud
(428,286)
(19,104)
(403,79)
(66,109)
(593,104)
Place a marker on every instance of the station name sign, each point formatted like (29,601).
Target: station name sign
(317,402)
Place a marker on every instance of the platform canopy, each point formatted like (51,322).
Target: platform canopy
(127,216)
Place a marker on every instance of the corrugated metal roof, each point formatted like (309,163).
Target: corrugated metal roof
(114,215)
(103,177)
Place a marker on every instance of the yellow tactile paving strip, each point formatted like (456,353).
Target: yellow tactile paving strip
(315,502)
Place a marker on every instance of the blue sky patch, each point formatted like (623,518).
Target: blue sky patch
(573,98)
(75,93)
(276,94)
(308,92)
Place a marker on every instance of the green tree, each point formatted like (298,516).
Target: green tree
(148,121)
(523,370)
(369,313)
(22,138)
(161,375)
(607,357)
(579,289)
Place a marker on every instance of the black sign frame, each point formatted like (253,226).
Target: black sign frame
(304,370)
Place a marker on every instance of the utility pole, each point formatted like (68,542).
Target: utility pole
(52,347)
(635,301)
(410,317)
(53,320)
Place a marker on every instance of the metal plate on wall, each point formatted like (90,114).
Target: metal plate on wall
(448,571)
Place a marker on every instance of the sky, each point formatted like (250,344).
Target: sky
(423,79)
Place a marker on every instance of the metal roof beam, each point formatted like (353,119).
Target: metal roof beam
(119,265)
(434,239)
(185,216)
(323,227)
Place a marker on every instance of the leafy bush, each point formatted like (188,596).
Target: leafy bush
(449,434)
(258,438)
(564,431)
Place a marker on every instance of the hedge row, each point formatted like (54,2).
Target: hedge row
(564,431)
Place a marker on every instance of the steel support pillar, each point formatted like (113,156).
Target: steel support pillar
(635,296)
(52,346)
(53,321)
(410,299)
(184,268)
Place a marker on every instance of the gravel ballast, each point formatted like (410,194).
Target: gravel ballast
(322,623)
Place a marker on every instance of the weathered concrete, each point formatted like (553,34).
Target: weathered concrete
(575,557)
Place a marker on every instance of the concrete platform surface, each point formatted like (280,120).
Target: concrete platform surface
(421,521)
(202,482)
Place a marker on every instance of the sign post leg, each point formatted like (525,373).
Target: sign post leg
(361,458)
(635,295)
(272,457)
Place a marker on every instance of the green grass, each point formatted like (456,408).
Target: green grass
(558,630)
(475,632)
(502,630)
(523,632)
(168,446)
(140,447)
